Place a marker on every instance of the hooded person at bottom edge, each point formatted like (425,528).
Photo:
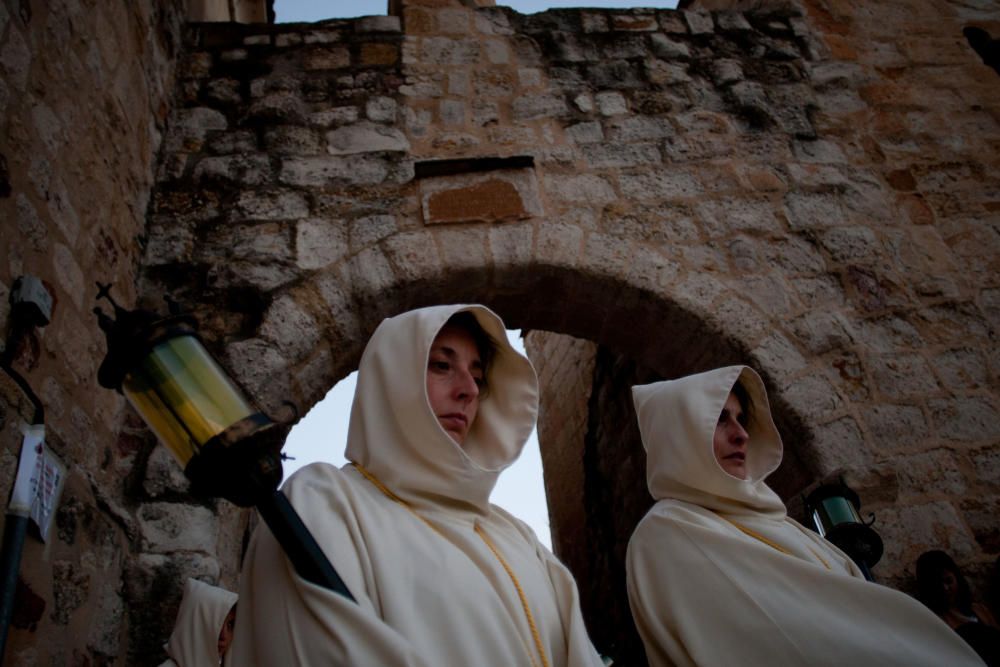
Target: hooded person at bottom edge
(719,575)
(442,578)
(204,626)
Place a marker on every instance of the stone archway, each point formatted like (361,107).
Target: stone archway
(603,500)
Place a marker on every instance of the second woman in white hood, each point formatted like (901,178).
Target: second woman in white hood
(718,574)
(441,576)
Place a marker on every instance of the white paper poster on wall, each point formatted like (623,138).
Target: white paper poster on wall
(40,477)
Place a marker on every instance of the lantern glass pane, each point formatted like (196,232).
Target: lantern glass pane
(184,396)
(834,511)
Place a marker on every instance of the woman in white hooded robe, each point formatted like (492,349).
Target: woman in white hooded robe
(441,576)
(202,630)
(718,574)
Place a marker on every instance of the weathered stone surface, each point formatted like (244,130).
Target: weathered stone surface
(257,366)
(961,369)
(531,107)
(320,242)
(378,24)
(601,156)
(581,189)
(274,205)
(370,229)
(937,472)
(725,216)
(779,355)
(910,530)
(899,376)
(965,419)
(839,444)
(282,107)
(665,185)
(335,116)
(364,137)
(322,171)
(169,527)
(812,211)
(164,474)
(103,637)
(447,51)
(326,59)
(668,49)
(191,126)
(72,587)
(699,22)
(234,169)
(559,245)
(611,103)
(821,332)
(584,133)
(639,128)
(463,248)
(292,140)
(290,328)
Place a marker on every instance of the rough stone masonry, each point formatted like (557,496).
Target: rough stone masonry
(810,187)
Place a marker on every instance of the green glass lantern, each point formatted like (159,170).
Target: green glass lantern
(835,512)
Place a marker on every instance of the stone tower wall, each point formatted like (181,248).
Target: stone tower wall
(85,89)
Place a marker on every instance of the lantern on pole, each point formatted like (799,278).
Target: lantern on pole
(835,512)
(227,448)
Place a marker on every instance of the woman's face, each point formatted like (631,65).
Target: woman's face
(226,634)
(731,438)
(454,378)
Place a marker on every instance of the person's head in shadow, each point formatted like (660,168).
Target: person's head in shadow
(941,585)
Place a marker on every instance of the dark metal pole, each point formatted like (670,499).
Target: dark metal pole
(299,545)
(14,531)
(16,525)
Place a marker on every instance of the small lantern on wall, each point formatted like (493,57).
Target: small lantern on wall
(835,512)
(227,448)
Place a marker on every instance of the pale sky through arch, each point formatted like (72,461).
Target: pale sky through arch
(289,11)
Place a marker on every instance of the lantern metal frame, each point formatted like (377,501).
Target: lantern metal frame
(835,511)
(241,462)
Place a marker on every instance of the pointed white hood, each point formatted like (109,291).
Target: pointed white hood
(393,431)
(677,421)
(194,641)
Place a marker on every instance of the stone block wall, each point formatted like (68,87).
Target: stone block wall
(84,93)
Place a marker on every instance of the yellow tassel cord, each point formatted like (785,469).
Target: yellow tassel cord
(482,535)
(520,593)
(774,545)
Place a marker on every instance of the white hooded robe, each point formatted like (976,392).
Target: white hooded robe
(704,592)
(194,641)
(427,595)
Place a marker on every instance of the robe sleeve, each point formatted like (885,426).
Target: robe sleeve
(702,594)
(284,620)
(580,650)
